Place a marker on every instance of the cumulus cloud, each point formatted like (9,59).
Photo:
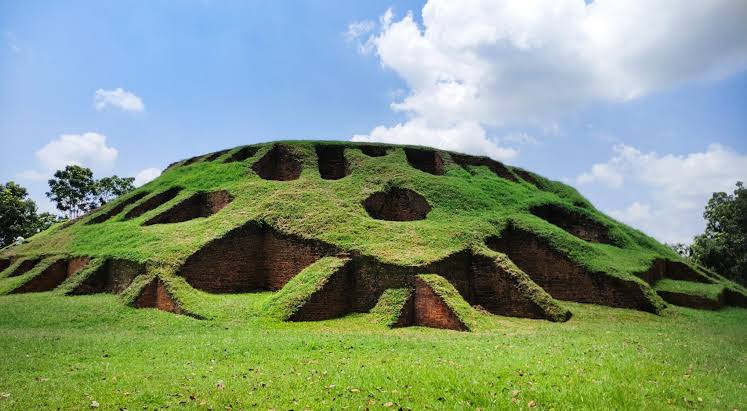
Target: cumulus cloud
(678,186)
(146,175)
(468,137)
(87,150)
(118,98)
(492,63)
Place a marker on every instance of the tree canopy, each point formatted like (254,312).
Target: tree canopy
(75,192)
(18,217)
(723,245)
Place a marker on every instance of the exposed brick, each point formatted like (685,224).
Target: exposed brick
(332,300)
(153,202)
(53,276)
(242,154)
(114,276)
(674,270)
(688,300)
(279,163)
(250,258)
(199,205)
(575,223)
(397,204)
(432,311)
(155,295)
(332,162)
(564,279)
(374,151)
(495,166)
(429,161)
(117,208)
(24,267)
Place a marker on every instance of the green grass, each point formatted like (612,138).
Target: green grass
(711,291)
(65,352)
(467,208)
(451,297)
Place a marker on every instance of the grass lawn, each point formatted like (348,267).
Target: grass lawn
(67,352)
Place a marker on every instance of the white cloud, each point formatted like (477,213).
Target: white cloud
(464,137)
(119,98)
(678,186)
(633,214)
(146,175)
(87,150)
(492,63)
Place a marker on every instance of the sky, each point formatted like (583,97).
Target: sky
(641,105)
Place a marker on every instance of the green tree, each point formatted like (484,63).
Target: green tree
(73,190)
(18,214)
(109,188)
(723,246)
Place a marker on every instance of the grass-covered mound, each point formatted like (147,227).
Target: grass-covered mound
(336,228)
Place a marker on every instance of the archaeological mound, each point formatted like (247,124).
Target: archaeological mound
(405,235)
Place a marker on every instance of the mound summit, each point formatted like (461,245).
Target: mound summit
(412,235)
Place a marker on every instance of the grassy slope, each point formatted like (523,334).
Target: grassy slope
(66,352)
(466,209)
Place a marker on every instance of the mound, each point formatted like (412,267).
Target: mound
(413,235)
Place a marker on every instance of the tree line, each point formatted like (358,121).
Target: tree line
(723,245)
(74,192)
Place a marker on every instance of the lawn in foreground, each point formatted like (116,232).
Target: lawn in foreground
(67,352)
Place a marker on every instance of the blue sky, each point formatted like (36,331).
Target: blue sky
(642,110)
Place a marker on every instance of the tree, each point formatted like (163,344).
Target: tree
(109,188)
(18,216)
(73,190)
(683,250)
(723,246)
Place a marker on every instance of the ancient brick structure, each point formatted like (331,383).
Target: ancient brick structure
(153,202)
(100,218)
(242,154)
(673,270)
(249,258)
(397,204)
(332,162)
(332,300)
(199,205)
(114,276)
(563,278)
(495,166)
(374,151)
(155,295)
(279,163)
(24,267)
(53,276)
(429,161)
(575,223)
